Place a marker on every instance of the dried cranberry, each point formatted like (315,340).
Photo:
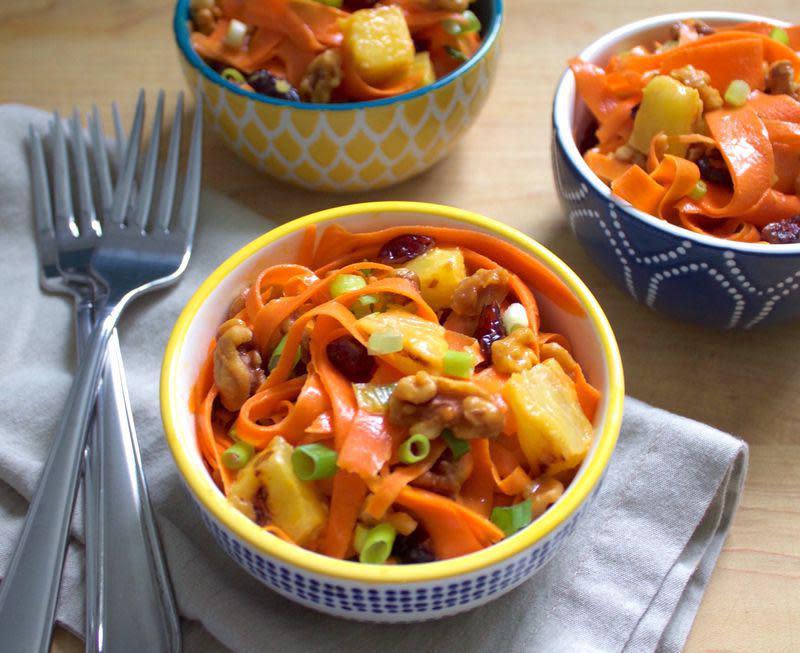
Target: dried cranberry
(404,248)
(266,83)
(785,232)
(413,548)
(351,359)
(490,328)
(713,169)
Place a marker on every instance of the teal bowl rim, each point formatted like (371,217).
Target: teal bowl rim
(182,38)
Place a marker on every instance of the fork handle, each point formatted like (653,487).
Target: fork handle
(123,553)
(28,592)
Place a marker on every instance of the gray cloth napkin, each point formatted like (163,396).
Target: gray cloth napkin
(630,580)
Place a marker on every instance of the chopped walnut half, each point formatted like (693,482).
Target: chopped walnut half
(237,366)
(323,76)
(690,30)
(446,476)
(780,80)
(516,352)
(479,289)
(205,19)
(428,404)
(700,80)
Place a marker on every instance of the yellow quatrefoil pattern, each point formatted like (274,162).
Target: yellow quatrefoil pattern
(347,150)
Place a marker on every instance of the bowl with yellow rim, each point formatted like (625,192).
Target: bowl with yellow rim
(352,146)
(392,593)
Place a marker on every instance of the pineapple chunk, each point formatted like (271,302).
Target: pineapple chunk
(379,44)
(667,106)
(552,429)
(424,68)
(294,505)
(424,344)
(440,270)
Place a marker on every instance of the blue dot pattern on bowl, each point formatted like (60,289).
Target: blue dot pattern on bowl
(395,602)
(681,277)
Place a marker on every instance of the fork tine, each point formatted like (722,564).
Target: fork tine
(42,209)
(64,216)
(119,139)
(86,212)
(187,213)
(145,192)
(170,171)
(100,158)
(122,192)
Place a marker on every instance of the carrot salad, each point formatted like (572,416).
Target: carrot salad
(334,50)
(391,397)
(703,130)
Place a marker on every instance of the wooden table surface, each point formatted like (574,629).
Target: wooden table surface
(60,54)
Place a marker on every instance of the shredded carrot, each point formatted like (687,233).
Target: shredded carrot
(309,397)
(640,189)
(348,495)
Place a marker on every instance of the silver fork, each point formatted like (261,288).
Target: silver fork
(138,250)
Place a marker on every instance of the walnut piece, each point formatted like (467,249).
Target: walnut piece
(446,476)
(323,76)
(204,20)
(479,289)
(237,369)
(700,80)
(516,352)
(780,80)
(428,404)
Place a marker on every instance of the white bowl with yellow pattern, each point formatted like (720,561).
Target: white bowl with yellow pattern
(388,593)
(352,146)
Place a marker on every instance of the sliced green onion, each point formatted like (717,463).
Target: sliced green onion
(359,535)
(332,3)
(372,397)
(233,75)
(457,446)
(312,462)
(234,38)
(416,448)
(456,54)
(364,305)
(276,354)
(233,434)
(466,23)
(237,455)
(514,317)
(737,93)
(344,283)
(780,35)
(384,342)
(377,545)
(458,363)
(510,519)
(699,190)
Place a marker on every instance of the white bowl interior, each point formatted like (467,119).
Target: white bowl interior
(581,331)
(572,117)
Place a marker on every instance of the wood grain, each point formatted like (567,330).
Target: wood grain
(60,54)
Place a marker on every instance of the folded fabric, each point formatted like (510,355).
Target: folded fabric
(630,579)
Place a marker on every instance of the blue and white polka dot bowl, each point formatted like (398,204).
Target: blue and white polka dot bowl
(688,276)
(388,593)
